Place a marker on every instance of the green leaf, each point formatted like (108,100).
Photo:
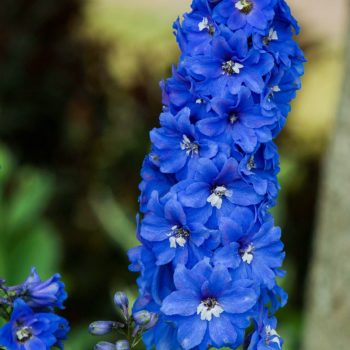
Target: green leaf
(114,220)
(29,200)
(39,247)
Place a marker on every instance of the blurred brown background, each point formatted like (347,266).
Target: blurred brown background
(78,95)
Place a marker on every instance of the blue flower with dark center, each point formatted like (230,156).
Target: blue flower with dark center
(27,330)
(280,89)
(176,233)
(208,304)
(260,169)
(247,14)
(178,145)
(238,119)
(251,252)
(278,41)
(265,336)
(197,30)
(229,66)
(217,187)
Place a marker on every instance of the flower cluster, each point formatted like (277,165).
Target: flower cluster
(130,327)
(29,312)
(210,251)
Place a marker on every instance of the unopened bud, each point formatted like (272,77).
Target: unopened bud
(142,317)
(103,345)
(122,302)
(122,345)
(101,327)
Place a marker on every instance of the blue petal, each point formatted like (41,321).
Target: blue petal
(222,331)
(184,303)
(191,332)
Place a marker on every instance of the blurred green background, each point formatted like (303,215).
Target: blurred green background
(78,95)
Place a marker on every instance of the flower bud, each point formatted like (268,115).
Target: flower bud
(103,345)
(152,322)
(142,317)
(122,345)
(122,302)
(101,327)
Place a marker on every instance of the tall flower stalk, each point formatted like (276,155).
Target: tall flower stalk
(210,253)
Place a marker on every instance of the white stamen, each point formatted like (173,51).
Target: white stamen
(178,237)
(231,67)
(233,118)
(209,308)
(215,199)
(247,254)
(199,101)
(251,163)
(23,334)
(239,5)
(273,35)
(270,332)
(191,148)
(204,24)
(275,88)
(245,6)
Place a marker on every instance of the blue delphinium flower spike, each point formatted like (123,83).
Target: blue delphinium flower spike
(210,253)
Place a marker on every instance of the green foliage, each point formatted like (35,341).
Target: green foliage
(27,239)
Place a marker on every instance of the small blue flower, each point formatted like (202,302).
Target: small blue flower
(247,14)
(230,65)
(265,336)
(238,119)
(251,252)
(28,330)
(174,233)
(210,304)
(217,187)
(42,294)
(177,145)
(196,31)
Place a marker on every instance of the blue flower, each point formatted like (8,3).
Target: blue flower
(238,119)
(217,186)
(27,330)
(265,336)
(177,144)
(42,294)
(247,14)
(178,93)
(230,65)
(208,304)
(175,233)
(197,29)
(260,169)
(250,251)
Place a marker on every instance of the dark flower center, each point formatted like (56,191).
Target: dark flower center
(232,118)
(23,334)
(181,232)
(244,6)
(211,29)
(251,163)
(210,303)
(191,148)
(231,67)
